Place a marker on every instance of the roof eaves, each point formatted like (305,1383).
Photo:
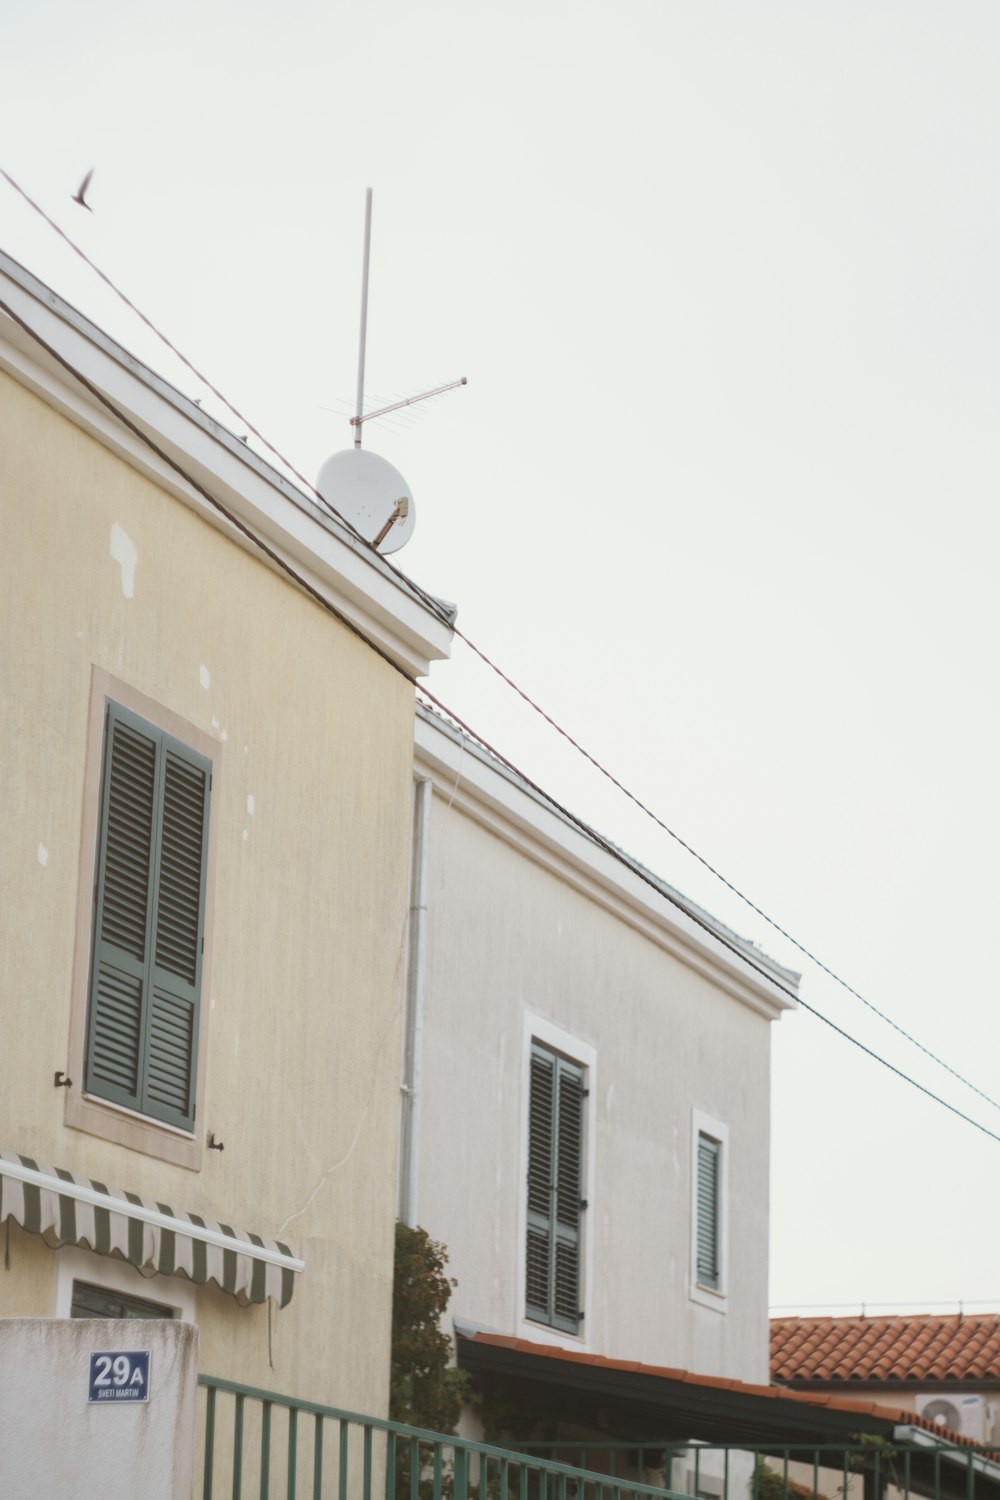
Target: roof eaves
(438,615)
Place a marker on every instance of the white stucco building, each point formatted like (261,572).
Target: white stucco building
(586,1089)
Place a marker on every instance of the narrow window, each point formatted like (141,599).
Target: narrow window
(100,1302)
(145,983)
(709,1271)
(555,1178)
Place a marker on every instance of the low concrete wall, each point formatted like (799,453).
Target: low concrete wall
(59,1443)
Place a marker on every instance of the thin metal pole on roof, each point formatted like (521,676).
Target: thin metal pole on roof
(364,317)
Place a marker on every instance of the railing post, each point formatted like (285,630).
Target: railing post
(366,1473)
(318,1459)
(206,1489)
(342,1469)
(437,1471)
(292,1451)
(238,1448)
(461,1474)
(265,1450)
(414,1469)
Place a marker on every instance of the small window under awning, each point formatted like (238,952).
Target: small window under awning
(69,1210)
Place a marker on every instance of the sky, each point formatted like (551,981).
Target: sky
(720,492)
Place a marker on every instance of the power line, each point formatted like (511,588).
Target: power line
(571,817)
(436,608)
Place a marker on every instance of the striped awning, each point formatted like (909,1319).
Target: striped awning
(69,1210)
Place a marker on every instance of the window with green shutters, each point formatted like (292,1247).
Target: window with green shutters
(555,1184)
(149,917)
(707,1238)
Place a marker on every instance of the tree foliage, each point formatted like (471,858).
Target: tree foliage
(425,1389)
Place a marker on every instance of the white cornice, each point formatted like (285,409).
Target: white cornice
(470,780)
(345,572)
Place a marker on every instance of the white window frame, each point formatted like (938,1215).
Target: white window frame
(547,1034)
(118,1276)
(703,1124)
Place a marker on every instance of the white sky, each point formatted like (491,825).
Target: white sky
(720,491)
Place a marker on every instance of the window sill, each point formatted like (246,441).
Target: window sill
(708,1296)
(136,1132)
(544,1333)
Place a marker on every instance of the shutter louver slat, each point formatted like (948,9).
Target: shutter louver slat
(540,1135)
(179,896)
(541,1101)
(566,1289)
(171,1049)
(537,1273)
(567,1292)
(131,797)
(570,1149)
(707,1204)
(116,1024)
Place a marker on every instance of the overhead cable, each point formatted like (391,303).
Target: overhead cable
(436,608)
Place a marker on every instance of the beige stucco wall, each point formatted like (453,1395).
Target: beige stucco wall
(507,938)
(310,889)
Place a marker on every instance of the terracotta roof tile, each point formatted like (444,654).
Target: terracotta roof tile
(866,1350)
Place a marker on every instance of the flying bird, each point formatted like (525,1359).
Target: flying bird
(78,196)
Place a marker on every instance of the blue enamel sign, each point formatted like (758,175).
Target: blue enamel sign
(119,1375)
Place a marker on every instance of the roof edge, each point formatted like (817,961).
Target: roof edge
(370,593)
(498,798)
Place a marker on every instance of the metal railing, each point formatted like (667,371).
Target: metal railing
(866,1468)
(257,1443)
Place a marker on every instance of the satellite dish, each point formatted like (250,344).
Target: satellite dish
(369,493)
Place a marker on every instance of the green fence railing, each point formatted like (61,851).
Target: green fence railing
(260,1444)
(868,1468)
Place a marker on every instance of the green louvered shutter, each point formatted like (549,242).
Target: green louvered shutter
(149,921)
(555,1175)
(708,1212)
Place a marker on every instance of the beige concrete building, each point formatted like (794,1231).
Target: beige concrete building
(207,785)
(586,1125)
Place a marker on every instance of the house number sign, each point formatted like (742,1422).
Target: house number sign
(119,1375)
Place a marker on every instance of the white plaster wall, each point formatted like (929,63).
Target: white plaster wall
(57,1445)
(508,938)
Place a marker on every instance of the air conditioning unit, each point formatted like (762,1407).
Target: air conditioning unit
(962,1414)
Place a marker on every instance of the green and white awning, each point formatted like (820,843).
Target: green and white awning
(69,1210)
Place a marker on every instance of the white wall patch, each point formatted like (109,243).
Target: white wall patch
(250,803)
(43,855)
(203,677)
(125,554)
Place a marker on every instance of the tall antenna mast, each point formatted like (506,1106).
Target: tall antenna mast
(364,318)
(363,489)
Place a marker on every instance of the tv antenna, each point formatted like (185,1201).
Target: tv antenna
(362,487)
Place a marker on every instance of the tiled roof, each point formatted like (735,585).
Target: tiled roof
(880,1411)
(921,1350)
